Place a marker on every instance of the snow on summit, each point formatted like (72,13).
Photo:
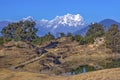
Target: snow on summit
(29,18)
(69,20)
(66,23)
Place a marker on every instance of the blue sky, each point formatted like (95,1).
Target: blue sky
(91,10)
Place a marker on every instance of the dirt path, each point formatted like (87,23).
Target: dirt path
(27,62)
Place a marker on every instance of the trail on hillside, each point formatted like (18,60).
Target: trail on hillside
(27,62)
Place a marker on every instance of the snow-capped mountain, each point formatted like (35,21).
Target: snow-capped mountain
(68,20)
(29,18)
(66,23)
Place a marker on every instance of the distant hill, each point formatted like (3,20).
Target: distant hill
(3,24)
(106,23)
(82,31)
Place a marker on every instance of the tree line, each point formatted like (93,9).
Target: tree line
(112,36)
(26,31)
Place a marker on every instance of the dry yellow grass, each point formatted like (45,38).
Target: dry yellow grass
(108,74)
(71,54)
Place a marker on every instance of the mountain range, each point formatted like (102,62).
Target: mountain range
(106,24)
(67,23)
(3,24)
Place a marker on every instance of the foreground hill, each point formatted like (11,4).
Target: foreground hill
(57,57)
(108,74)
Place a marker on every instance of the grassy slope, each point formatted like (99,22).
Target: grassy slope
(72,56)
(108,74)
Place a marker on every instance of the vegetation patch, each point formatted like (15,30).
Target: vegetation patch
(82,69)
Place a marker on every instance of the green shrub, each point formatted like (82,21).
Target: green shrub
(1,40)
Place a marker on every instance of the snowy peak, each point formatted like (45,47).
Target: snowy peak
(69,20)
(66,23)
(29,18)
